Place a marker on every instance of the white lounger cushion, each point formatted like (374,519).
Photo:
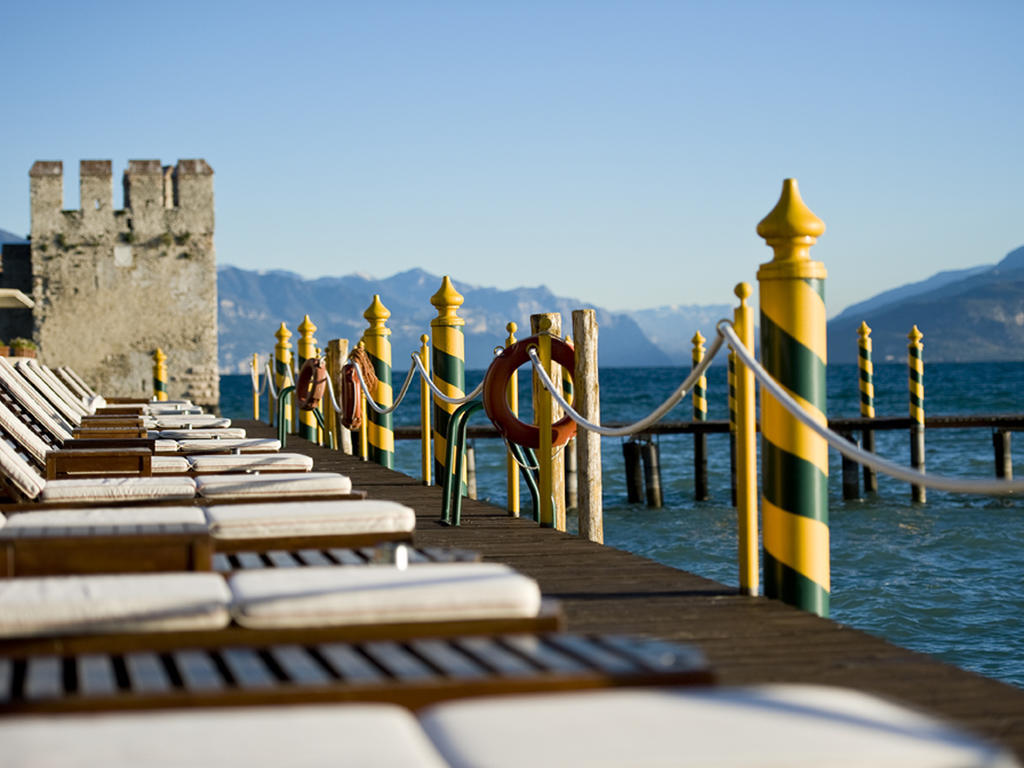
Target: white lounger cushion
(304,518)
(147,602)
(247,445)
(103,520)
(251,462)
(207,421)
(273,484)
(233,433)
(118,488)
(311,736)
(165,446)
(380,594)
(771,726)
(170,465)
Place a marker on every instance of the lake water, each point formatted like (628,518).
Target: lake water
(945,578)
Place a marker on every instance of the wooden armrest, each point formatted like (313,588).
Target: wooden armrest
(99,461)
(111,442)
(119,410)
(112,420)
(96,431)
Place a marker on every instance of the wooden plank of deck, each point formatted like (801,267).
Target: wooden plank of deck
(747,639)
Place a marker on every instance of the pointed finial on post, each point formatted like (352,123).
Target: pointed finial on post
(376,315)
(791,228)
(447,301)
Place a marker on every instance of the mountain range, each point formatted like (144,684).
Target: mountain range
(972,314)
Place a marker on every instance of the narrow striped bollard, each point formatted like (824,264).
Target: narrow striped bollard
(793,350)
(745,418)
(867,400)
(915,379)
(700,413)
(511,465)
(380,433)
(159,375)
(732,425)
(425,436)
(283,368)
(449,369)
(308,427)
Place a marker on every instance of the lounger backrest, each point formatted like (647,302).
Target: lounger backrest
(18,431)
(61,373)
(71,414)
(41,411)
(60,388)
(72,374)
(19,473)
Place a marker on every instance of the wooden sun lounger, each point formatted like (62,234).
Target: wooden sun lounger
(412,672)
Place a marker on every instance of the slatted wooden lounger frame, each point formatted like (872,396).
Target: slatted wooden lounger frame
(413,672)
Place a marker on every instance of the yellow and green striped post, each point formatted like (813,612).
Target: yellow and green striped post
(380,433)
(283,368)
(449,369)
(511,465)
(915,378)
(745,420)
(255,365)
(866,369)
(425,403)
(308,427)
(793,350)
(700,413)
(159,375)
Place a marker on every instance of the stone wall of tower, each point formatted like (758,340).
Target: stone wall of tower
(111,286)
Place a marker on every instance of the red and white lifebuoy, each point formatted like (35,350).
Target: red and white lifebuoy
(312,383)
(496,386)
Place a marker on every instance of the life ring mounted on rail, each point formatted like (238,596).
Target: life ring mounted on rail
(349,395)
(312,383)
(496,403)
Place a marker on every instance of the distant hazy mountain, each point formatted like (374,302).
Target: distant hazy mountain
(10,237)
(254,304)
(672,328)
(967,315)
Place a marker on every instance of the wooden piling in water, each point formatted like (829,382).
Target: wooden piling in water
(1001,442)
(589,510)
(851,481)
(634,475)
(649,455)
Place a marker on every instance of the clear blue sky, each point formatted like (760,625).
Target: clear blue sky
(621,153)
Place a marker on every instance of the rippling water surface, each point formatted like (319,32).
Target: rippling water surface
(945,578)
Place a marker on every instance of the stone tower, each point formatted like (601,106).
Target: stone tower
(111,286)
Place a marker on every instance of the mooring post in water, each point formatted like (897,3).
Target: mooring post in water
(732,425)
(426,460)
(470,469)
(1004,453)
(634,473)
(254,366)
(587,403)
(449,369)
(915,379)
(793,350)
(283,368)
(159,375)
(511,465)
(746,448)
(700,413)
(551,324)
(337,354)
(867,401)
(381,434)
(307,351)
(650,455)
(851,479)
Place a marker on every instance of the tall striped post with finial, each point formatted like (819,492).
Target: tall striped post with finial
(283,368)
(159,375)
(915,379)
(867,400)
(307,351)
(380,433)
(449,369)
(795,459)
(700,413)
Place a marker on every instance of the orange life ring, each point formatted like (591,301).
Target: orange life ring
(351,402)
(312,383)
(496,402)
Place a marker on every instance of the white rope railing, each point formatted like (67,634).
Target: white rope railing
(441,395)
(384,411)
(645,423)
(853,451)
(257,388)
(270,383)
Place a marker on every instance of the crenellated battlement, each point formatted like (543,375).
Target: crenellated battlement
(112,284)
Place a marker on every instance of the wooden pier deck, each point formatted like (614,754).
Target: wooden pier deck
(747,640)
